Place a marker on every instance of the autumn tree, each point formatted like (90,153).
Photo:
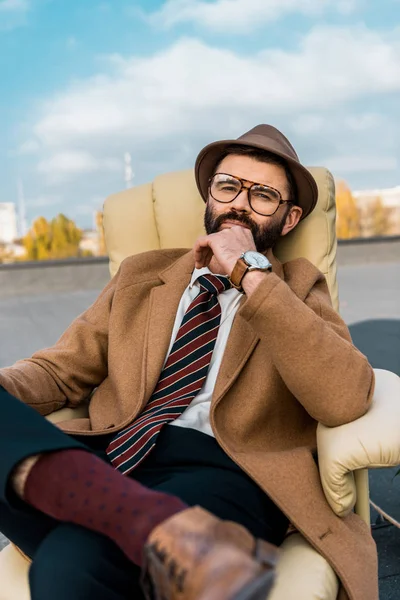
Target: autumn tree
(66,237)
(102,251)
(379,217)
(58,238)
(37,241)
(348,216)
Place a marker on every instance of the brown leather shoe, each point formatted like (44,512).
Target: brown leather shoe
(196,556)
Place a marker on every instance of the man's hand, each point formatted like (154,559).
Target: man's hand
(226,246)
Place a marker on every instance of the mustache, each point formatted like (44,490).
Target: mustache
(231,216)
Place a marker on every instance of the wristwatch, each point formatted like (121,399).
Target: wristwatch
(248,261)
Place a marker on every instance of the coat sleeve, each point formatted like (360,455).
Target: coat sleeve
(312,350)
(66,373)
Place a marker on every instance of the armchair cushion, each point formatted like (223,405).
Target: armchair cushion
(171,216)
(299,562)
(371,441)
(299,557)
(66,414)
(14,570)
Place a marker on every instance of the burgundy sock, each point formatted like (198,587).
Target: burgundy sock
(78,487)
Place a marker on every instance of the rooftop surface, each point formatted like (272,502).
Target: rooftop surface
(370,305)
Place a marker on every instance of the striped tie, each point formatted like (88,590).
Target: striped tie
(181,379)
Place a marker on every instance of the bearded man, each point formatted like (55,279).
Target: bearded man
(208,370)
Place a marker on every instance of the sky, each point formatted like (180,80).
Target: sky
(82,83)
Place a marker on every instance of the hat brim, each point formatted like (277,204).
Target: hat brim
(208,158)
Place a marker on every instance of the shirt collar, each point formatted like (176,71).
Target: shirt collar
(204,271)
(196,274)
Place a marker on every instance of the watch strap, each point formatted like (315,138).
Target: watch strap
(239,271)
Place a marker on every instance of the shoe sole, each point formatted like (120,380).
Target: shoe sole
(258,589)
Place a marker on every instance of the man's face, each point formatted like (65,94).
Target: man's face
(265,230)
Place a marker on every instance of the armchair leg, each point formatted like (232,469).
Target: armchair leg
(362,503)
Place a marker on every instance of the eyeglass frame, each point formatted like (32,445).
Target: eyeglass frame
(248,189)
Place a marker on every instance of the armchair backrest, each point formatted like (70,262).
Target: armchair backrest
(168,213)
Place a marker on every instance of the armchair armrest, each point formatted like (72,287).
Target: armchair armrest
(64,414)
(371,441)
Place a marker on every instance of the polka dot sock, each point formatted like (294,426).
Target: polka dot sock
(78,487)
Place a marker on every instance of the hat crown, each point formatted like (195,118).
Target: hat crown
(275,139)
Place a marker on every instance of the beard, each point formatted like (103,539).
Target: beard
(265,236)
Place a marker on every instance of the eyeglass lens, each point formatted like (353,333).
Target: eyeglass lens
(263,199)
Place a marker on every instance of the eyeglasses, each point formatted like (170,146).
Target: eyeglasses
(264,200)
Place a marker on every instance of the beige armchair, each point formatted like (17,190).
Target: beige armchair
(169,213)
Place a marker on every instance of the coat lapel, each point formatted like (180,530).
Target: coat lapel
(164,302)
(241,343)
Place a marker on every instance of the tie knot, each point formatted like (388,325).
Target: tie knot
(215,284)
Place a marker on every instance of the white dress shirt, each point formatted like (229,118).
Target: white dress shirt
(197,414)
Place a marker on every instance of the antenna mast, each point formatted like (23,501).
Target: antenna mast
(22,225)
(129,174)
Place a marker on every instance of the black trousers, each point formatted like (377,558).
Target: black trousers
(69,561)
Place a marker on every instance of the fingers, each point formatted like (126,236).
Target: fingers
(202,252)
(226,245)
(203,258)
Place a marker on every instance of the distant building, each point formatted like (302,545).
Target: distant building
(11,252)
(8,223)
(390,198)
(90,242)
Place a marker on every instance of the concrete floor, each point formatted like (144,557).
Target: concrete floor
(369,303)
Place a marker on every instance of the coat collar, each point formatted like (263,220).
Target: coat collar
(180,269)
(277,267)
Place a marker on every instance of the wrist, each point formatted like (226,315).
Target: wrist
(250,261)
(252,280)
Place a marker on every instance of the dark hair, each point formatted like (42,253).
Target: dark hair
(267,157)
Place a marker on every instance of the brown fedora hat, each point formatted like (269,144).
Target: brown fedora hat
(267,138)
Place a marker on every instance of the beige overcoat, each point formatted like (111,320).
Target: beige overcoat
(288,364)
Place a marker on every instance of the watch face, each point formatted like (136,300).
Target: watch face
(256,259)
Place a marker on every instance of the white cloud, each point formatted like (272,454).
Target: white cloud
(62,165)
(309,124)
(30,146)
(360,163)
(346,7)
(359,145)
(163,108)
(14,5)
(239,16)
(90,207)
(151,98)
(68,162)
(364,121)
(43,201)
(323,124)
(13,13)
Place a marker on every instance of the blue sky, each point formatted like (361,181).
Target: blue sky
(82,83)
